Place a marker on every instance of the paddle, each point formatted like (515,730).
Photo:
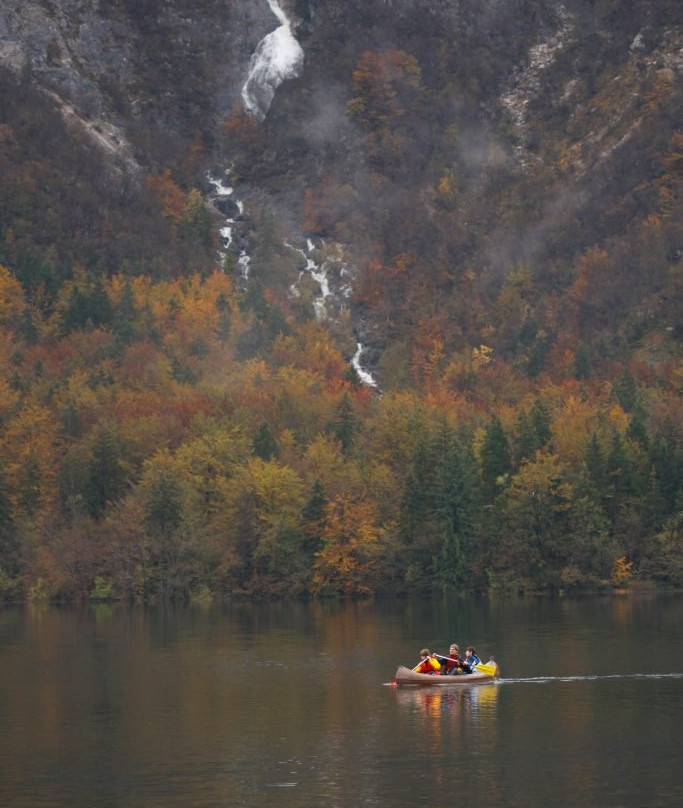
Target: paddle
(483,667)
(490,670)
(420,663)
(450,659)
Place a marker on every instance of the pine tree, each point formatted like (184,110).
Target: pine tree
(637,431)
(416,491)
(313,514)
(124,316)
(620,480)
(99,305)
(541,421)
(583,366)
(420,531)
(265,446)
(526,439)
(450,514)
(224,317)
(72,424)
(77,312)
(495,456)
(8,537)
(436,522)
(163,506)
(667,463)
(29,486)
(106,476)
(344,423)
(27,329)
(625,391)
(163,516)
(596,469)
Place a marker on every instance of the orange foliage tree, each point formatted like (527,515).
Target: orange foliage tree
(347,562)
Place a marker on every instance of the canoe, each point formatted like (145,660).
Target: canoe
(404,676)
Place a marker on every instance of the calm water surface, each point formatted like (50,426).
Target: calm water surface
(288,705)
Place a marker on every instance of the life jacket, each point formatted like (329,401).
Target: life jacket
(451,664)
(427,666)
(470,663)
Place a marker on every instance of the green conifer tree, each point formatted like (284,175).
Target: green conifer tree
(495,457)
(77,311)
(344,423)
(106,479)
(29,487)
(625,391)
(264,445)
(596,470)
(224,317)
(583,365)
(449,514)
(667,461)
(124,316)
(542,424)
(163,506)
(526,442)
(313,514)
(9,544)
(99,305)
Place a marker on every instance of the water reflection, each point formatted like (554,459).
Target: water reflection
(475,701)
(256,705)
(451,716)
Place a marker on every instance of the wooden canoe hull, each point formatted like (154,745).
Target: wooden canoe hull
(404,676)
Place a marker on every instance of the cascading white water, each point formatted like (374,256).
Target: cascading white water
(221,189)
(319,274)
(341,275)
(243,264)
(223,192)
(363,374)
(278,57)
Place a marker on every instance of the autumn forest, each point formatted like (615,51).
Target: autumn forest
(170,429)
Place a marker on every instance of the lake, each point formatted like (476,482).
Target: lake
(291,705)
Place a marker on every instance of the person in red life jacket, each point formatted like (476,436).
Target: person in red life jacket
(427,663)
(471,660)
(451,664)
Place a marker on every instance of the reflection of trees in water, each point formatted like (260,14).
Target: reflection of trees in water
(459,715)
(472,699)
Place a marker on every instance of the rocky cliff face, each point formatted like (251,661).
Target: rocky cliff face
(136,65)
(180,67)
(577,99)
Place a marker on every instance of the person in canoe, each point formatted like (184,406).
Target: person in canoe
(452,663)
(427,663)
(470,661)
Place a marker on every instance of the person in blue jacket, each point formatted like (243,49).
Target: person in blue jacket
(470,661)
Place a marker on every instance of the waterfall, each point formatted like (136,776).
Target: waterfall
(222,198)
(278,57)
(334,278)
(243,264)
(319,274)
(363,374)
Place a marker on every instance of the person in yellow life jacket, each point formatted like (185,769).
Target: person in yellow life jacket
(427,663)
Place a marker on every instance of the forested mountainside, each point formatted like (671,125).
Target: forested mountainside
(324,297)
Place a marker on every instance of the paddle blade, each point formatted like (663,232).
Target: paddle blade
(488,669)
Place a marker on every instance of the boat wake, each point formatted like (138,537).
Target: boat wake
(541,680)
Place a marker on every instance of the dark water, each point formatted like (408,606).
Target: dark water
(286,705)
